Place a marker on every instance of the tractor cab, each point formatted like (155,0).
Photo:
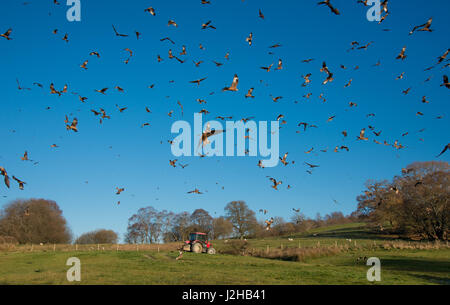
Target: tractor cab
(202,237)
(198,243)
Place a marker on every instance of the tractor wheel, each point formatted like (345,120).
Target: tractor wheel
(197,248)
(211,251)
(187,248)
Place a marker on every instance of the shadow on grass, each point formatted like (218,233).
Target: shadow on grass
(420,266)
(433,279)
(416,265)
(433,271)
(354,233)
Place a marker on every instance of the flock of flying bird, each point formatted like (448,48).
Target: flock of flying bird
(71,124)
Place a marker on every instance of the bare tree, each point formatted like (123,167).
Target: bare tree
(34,221)
(181,227)
(151,226)
(242,218)
(100,236)
(141,228)
(221,228)
(201,221)
(415,202)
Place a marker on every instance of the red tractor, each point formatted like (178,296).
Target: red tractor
(198,243)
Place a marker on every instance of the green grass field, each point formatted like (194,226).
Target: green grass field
(398,266)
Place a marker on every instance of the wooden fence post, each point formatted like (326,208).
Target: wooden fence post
(268,249)
(54,247)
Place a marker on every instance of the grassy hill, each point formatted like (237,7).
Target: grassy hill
(401,262)
(325,236)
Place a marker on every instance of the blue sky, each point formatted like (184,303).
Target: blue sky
(139,163)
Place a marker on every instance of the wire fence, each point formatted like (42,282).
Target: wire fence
(13,247)
(6,246)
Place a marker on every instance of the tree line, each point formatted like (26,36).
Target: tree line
(149,225)
(415,203)
(41,221)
